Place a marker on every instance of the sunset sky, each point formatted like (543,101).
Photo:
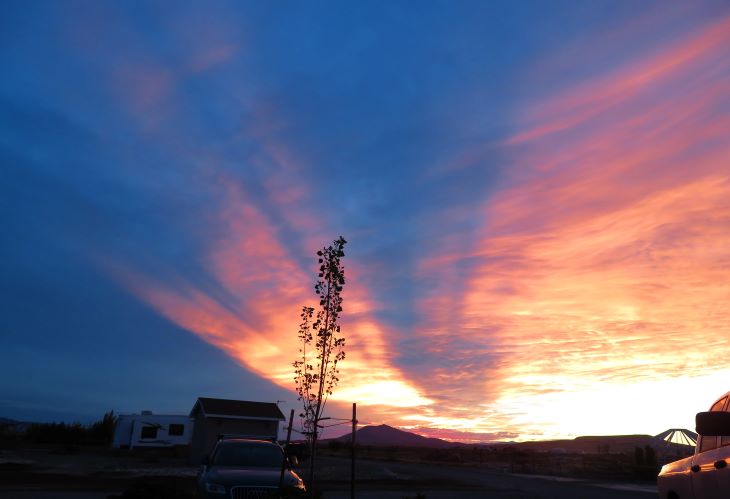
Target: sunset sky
(536,198)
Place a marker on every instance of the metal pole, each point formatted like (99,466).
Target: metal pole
(352,468)
(291,422)
(288,439)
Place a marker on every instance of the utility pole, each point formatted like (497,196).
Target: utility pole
(288,439)
(352,467)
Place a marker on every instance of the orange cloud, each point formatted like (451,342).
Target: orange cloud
(592,291)
(251,309)
(602,268)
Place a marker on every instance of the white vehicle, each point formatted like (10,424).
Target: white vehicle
(705,475)
(152,430)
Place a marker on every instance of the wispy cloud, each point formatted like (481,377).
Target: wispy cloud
(688,62)
(584,267)
(602,264)
(250,306)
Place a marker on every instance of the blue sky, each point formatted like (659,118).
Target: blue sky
(499,168)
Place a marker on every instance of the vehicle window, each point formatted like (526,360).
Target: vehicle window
(718,406)
(707,443)
(149,432)
(259,456)
(176,429)
(725,439)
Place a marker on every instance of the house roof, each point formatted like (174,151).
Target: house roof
(238,409)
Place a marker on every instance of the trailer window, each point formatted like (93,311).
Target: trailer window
(149,432)
(176,430)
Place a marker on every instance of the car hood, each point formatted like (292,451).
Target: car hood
(257,477)
(681,466)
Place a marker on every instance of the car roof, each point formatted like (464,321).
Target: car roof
(719,399)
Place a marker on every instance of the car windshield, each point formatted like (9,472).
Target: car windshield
(248,455)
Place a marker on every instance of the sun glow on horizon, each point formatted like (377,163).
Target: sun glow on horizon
(393,393)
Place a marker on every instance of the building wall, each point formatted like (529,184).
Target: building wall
(208,429)
(198,448)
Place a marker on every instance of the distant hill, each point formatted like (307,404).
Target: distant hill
(384,435)
(12,425)
(594,444)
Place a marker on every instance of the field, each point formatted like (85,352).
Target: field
(92,473)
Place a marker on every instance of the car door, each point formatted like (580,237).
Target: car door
(706,463)
(722,464)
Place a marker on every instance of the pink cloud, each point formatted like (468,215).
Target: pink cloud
(595,272)
(602,265)
(252,310)
(211,57)
(146,90)
(676,61)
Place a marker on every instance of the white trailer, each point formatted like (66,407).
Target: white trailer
(152,430)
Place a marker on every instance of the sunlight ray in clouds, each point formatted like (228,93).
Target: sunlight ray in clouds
(603,265)
(584,278)
(251,311)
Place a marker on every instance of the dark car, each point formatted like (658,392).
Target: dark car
(241,468)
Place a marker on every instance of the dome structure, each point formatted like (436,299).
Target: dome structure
(678,436)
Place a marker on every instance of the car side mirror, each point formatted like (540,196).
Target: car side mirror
(712,424)
(293,461)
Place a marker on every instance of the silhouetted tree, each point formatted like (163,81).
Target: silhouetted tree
(322,347)
(73,434)
(103,431)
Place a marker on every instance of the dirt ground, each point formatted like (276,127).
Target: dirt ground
(49,474)
(56,473)
(398,480)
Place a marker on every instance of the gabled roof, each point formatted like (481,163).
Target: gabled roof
(236,409)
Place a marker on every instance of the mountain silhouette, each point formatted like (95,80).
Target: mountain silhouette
(384,435)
